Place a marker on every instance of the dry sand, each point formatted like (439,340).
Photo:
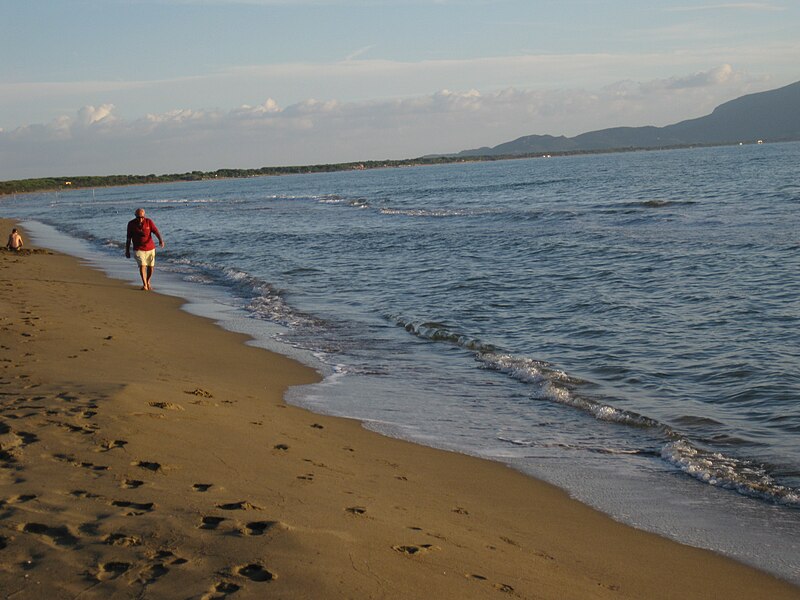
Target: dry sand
(147,453)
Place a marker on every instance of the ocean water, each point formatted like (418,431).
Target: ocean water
(626,326)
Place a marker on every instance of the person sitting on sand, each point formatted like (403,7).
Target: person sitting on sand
(140,232)
(14,241)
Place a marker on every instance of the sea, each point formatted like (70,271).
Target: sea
(625,326)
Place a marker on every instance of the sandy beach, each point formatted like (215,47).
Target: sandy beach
(146,452)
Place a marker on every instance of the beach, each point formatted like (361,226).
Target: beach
(147,452)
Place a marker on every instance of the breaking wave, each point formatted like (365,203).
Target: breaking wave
(423,212)
(554,385)
(719,470)
(351,202)
(260,298)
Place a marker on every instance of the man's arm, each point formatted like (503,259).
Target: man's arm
(128,243)
(155,230)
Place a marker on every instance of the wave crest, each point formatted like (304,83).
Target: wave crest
(552,384)
(727,472)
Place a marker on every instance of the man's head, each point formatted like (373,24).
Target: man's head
(139,213)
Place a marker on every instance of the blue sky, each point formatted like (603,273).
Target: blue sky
(106,86)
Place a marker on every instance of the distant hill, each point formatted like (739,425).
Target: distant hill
(770,116)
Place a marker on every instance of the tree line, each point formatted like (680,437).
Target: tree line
(45,184)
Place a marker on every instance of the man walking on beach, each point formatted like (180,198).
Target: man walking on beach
(140,231)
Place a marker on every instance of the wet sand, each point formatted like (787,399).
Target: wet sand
(145,452)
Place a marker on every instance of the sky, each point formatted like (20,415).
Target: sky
(98,87)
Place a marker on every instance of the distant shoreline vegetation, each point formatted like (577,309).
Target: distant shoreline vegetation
(51,184)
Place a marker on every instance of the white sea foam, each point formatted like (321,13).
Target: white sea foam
(547,381)
(339,200)
(554,385)
(179,201)
(423,212)
(717,469)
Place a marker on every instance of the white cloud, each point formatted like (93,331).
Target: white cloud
(715,77)
(95,140)
(89,115)
(359,79)
(360,52)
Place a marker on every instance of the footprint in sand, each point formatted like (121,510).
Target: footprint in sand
(121,539)
(111,445)
(168,556)
(60,535)
(508,541)
(255,572)
(241,505)
(356,510)
(221,590)
(111,570)
(83,494)
(132,483)
(141,507)
(258,527)
(414,550)
(166,405)
(11,440)
(90,529)
(150,466)
(211,522)
(21,499)
(199,392)
(152,573)
(79,463)
(76,428)
(202,487)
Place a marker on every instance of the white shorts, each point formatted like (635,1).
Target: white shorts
(146,258)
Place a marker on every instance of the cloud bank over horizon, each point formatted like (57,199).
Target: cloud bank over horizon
(165,86)
(94,140)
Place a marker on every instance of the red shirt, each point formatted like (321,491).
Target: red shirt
(141,235)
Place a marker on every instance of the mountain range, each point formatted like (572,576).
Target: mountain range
(770,116)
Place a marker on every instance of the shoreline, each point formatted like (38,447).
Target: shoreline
(325,506)
(363,165)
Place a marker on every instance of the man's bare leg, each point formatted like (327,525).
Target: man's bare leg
(147,280)
(145,277)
